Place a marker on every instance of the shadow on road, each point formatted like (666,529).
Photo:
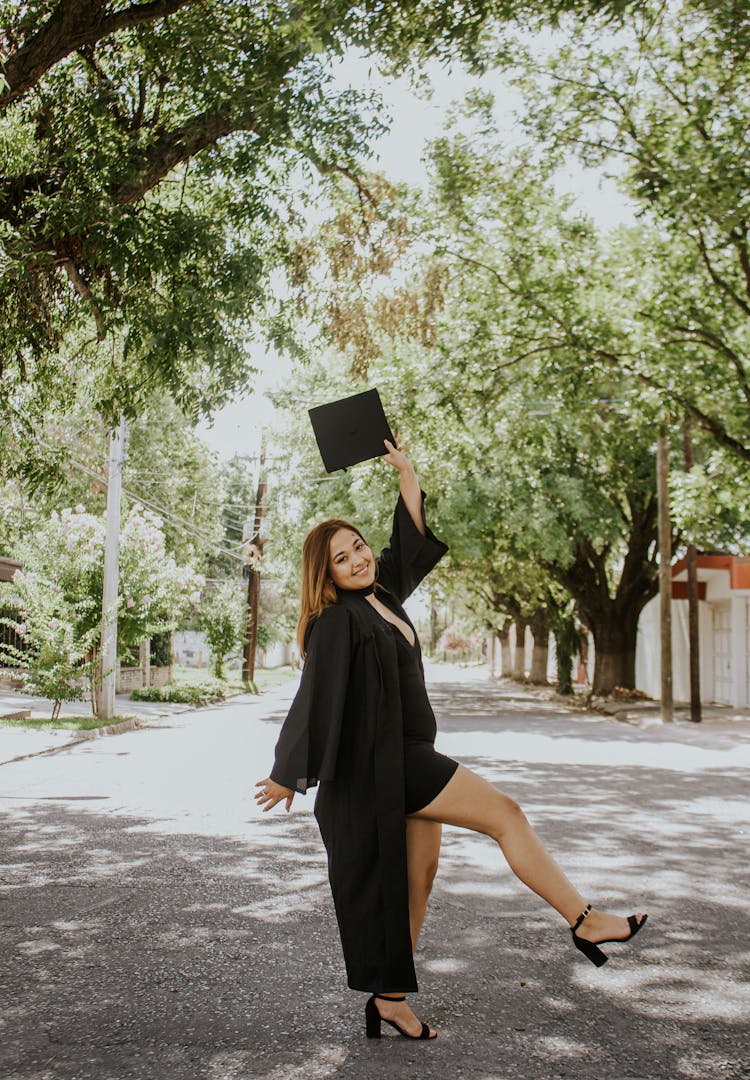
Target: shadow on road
(133,953)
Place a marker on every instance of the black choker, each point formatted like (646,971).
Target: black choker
(366,590)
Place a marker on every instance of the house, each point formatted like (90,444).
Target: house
(723,630)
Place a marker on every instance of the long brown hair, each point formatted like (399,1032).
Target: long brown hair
(318,590)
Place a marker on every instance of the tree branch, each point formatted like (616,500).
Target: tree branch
(739,240)
(73,24)
(710,424)
(83,289)
(716,277)
(174,147)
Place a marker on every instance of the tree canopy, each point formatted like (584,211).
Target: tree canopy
(665,105)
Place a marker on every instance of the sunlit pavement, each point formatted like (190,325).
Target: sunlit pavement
(156,925)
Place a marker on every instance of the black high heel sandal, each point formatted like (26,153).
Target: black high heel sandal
(591,949)
(373,1020)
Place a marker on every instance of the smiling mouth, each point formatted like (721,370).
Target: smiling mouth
(358,573)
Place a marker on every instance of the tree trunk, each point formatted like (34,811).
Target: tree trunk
(144,657)
(540,623)
(519,664)
(614,641)
(506,656)
(613,620)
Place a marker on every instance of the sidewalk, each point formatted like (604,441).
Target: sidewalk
(641,712)
(17,742)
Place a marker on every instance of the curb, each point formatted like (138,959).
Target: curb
(121,726)
(131,724)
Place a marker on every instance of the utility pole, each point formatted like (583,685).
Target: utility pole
(253,553)
(692,583)
(665,571)
(108,654)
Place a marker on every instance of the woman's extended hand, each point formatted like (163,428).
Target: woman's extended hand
(272,793)
(396,456)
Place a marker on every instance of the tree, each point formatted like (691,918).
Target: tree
(168,468)
(61,580)
(222,620)
(666,105)
(50,646)
(150,151)
(527,298)
(497,347)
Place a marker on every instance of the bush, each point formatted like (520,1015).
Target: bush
(222,620)
(46,644)
(199,694)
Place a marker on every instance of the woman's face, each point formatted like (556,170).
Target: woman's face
(352,563)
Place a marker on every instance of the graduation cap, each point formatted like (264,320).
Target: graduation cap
(351,430)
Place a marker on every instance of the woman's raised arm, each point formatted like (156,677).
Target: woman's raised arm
(410,490)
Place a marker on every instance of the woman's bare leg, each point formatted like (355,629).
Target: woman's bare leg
(471,803)
(422,855)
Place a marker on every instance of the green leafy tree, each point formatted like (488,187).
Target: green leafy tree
(495,350)
(149,151)
(665,105)
(222,620)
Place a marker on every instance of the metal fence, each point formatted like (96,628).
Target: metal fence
(10,639)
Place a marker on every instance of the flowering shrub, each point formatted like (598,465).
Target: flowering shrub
(205,693)
(453,640)
(154,592)
(56,659)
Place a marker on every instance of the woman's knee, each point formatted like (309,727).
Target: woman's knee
(509,816)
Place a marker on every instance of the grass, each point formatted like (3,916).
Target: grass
(265,678)
(63,723)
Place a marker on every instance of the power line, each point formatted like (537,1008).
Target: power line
(174,519)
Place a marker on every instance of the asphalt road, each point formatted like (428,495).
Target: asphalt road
(155,925)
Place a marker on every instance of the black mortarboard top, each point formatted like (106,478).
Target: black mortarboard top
(351,430)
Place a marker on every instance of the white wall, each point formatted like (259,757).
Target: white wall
(191,648)
(648,650)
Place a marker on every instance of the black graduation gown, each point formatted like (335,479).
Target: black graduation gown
(344,731)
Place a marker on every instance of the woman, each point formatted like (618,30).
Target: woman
(361,727)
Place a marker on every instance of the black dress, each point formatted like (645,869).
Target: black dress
(426,772)
(345,732)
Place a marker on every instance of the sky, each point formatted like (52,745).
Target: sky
(415,120)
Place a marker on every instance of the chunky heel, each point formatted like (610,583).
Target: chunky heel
(590,949)
(372,1019)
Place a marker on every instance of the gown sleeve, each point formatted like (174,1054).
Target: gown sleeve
(409,556)
(307,746)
